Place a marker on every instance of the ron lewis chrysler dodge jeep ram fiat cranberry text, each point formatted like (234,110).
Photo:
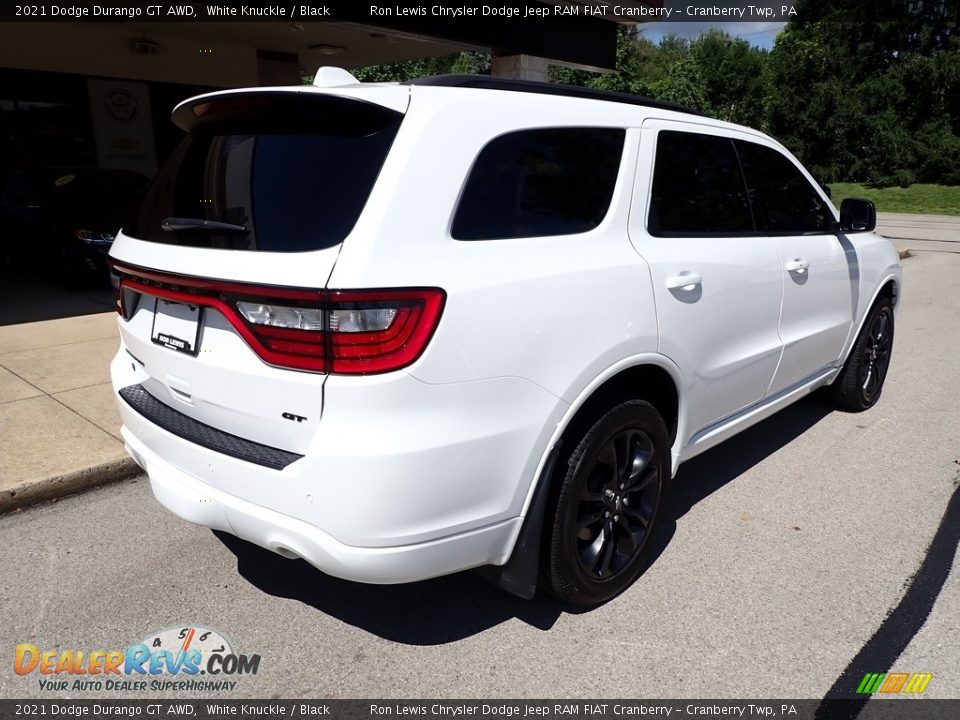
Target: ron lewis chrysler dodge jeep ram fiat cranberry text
(405,330)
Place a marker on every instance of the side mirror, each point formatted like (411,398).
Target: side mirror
(857,215)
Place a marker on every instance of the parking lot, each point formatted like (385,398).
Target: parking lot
(812,549)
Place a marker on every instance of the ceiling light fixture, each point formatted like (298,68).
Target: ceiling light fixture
(326,48)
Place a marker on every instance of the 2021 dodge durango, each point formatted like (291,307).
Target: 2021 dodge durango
(405,330)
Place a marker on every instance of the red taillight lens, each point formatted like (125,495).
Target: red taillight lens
(381,330)
(350,332)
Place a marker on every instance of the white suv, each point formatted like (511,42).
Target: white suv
(405,330)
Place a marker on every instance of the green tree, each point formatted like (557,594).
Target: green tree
(682,84)
(868,91)
(732,75)
(863,91)
(632,73)
(463,63)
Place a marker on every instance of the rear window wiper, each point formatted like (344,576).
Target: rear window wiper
(172,224)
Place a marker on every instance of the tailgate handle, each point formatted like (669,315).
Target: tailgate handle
(179,388)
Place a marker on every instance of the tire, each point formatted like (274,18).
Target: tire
(860,382)
(606,506)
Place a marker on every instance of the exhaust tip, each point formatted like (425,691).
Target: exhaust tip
(286,552)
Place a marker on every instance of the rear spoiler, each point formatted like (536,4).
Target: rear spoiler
(375,104)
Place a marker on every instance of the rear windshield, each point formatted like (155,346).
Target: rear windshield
(286,175)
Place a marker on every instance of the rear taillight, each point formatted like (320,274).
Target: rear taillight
(349,332)
(352,333)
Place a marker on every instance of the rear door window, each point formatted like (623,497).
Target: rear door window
(784,202)
(282,175)
(551,181)
(698,188)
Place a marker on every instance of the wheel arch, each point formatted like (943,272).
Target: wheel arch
(653,378)
(655,382)
(889,288)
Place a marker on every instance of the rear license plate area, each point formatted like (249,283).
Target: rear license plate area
(176,326)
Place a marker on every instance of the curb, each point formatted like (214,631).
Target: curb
(60,486)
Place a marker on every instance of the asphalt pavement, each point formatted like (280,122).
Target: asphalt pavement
(931,233)
(811,549)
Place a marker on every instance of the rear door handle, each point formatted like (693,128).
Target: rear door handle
(684,281)
(799,265)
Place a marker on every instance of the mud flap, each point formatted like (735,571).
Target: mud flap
(519,575)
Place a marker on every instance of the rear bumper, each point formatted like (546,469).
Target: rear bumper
(199,503)
(185,427)
(403,481)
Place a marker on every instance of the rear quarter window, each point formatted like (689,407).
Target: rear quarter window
(543,182)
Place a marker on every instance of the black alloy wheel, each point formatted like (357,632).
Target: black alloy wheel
(617,504)
(860,382)
(876,358)
(606,505)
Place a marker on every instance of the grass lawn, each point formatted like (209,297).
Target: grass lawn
(918,199)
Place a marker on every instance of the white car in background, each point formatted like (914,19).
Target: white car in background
(405,330)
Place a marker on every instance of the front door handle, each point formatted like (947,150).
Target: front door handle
(684,281)
(798,265)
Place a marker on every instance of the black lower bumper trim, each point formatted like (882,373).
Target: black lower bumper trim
(196,432)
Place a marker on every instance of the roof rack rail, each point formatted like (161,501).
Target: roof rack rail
(486,82)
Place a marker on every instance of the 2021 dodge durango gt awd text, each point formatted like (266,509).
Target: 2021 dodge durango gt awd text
(406,330)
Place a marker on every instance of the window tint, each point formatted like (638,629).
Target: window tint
(540,182)
(697,187)
(295,175)
(783,201)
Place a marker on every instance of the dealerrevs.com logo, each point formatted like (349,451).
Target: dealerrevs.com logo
(184,658)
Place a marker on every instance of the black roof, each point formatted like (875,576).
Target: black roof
(486,82)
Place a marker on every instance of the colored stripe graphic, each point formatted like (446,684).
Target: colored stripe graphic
(892,683)
(918,682)
(870,683)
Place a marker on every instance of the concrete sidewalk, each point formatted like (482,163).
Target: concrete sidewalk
(59,427)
